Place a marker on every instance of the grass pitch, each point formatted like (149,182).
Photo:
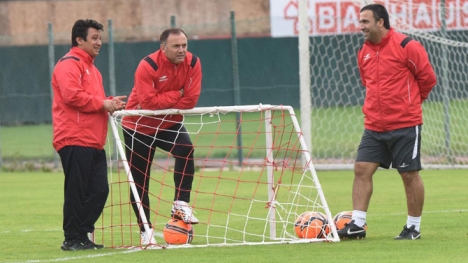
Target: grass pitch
(31,218)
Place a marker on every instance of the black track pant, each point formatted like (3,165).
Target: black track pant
(85,189)
(140,149)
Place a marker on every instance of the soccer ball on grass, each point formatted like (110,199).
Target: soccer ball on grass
(343,218)
(311,225)
(176,232)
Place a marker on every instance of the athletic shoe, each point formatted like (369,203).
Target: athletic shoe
(73,245)
(147,239)
(352,231)
(181,210)
(88,244)
(409,234)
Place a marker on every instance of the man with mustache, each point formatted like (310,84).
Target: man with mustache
(168,78)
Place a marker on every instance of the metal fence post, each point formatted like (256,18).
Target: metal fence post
(51,52)
(236,85)
(112,85)
(173,21)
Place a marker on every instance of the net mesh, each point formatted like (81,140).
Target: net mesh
(253,179)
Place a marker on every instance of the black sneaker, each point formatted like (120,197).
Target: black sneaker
(72,245)
(352,231)
(408,234)
(88,244)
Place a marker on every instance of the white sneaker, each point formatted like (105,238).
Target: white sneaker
(147,238)
(183,211)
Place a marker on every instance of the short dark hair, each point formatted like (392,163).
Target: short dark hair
(379,12)
(80,29)
(165,34)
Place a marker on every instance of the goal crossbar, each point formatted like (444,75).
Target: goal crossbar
(201,110)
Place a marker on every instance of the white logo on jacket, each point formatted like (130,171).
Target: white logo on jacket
(163,78)
(367,56)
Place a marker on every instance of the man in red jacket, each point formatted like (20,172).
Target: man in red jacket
(168,78)
(79,115)
(398,77)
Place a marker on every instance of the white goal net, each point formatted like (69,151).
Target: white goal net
(337,93)
(253,178)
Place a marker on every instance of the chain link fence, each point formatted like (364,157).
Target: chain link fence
(25,74)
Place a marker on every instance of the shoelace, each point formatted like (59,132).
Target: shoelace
(406,230)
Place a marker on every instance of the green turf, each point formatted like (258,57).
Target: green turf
(27,141)
(31,214)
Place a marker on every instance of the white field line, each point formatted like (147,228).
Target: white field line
(424,212)
(31,230)
(158,234)
(79,257)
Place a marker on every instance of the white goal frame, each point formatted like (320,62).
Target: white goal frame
(267,109)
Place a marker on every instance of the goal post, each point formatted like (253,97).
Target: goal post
(133,188)
(255,201)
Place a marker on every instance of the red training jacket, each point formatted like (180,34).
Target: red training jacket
(156,87)
(398,77)
(77,115)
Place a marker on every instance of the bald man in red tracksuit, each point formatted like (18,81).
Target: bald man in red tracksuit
(168,78)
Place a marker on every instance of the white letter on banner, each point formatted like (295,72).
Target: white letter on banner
(350,18)
(422,16)
(450,15)
(398,19)
(465,12)
(326,16)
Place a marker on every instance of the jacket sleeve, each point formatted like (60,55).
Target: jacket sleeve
(361,71)
(419,64)
(192,88)
(148,96)
(70,77)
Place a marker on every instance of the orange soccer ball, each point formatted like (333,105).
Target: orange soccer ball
(311,225)
(343,218)
(176,232)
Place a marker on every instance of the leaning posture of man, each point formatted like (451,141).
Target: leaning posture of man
(398,77)
(80,115)
(168,78)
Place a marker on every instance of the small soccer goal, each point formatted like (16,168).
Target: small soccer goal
(253,179)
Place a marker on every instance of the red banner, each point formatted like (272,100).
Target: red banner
(342,17)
